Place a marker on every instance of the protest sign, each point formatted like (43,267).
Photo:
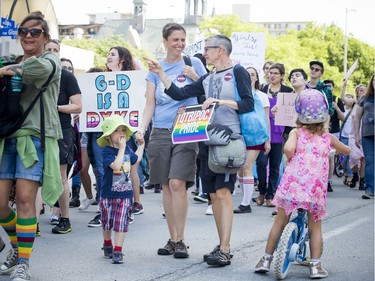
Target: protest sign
(249,49)
(351,69)
(191,123)
(195,48)
(286,113)
(107,93)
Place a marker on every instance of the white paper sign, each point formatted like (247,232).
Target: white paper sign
(249,49)
(286,113)
(351,69)
(195,48)
(107,93)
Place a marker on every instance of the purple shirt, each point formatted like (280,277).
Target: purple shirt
(276,131)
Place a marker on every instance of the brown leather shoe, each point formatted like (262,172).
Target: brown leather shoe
(260,200)
(269,203)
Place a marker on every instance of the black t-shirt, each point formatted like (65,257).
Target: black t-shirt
(334,124)
(68,87)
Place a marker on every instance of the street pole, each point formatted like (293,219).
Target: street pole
(346,39)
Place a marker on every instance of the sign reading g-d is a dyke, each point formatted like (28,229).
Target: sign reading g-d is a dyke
(106,93)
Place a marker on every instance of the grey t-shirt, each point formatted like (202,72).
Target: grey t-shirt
(368,116)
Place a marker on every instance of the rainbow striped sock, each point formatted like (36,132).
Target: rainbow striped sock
(9,225)
(26,235)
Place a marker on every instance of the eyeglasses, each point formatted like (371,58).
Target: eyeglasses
(273,73)
(34,32)
(315,69)
(210,47)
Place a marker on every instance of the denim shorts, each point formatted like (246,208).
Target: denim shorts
(84,140)
(11,166)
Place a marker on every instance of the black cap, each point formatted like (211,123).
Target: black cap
(327,81)
(318,63)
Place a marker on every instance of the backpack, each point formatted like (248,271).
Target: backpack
(11,113)
(187,61)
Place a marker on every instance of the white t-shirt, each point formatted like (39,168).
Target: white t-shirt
(348,124)
(264,98)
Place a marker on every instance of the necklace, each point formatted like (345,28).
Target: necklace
(272,93)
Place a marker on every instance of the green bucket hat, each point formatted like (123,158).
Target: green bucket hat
(110,124)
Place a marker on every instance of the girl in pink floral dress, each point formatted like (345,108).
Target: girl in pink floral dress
(304,183)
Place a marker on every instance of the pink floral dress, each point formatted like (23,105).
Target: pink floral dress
(305,179)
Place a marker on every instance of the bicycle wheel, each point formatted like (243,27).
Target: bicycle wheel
(287,239)
(339,170)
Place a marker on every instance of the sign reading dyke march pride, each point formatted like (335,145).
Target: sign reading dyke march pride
(191,123)
(286,113)
(107,93)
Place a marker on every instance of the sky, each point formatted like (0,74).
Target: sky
(360,13)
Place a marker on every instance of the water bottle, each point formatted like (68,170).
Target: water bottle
(16,84)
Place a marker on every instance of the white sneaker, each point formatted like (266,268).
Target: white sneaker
(54,220)
(131,219)
(21,272)
(209,210)
(86,203)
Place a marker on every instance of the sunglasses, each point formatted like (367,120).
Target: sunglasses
(315,69)
(34,32)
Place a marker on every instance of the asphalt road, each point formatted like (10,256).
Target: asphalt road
(348,233)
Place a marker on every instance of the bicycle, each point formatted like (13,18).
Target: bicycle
(292,245)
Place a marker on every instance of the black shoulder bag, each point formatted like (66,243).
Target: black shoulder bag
(12,117)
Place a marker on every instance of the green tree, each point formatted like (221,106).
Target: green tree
(298,47)
(101,47)
(294,49)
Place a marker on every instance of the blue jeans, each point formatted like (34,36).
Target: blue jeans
(348,172)
(368,151)
(76,181)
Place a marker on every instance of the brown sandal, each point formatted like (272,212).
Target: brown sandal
(260,200)
(349,181)
(270,203)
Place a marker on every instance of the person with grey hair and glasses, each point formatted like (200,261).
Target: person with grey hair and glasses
(217,52)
